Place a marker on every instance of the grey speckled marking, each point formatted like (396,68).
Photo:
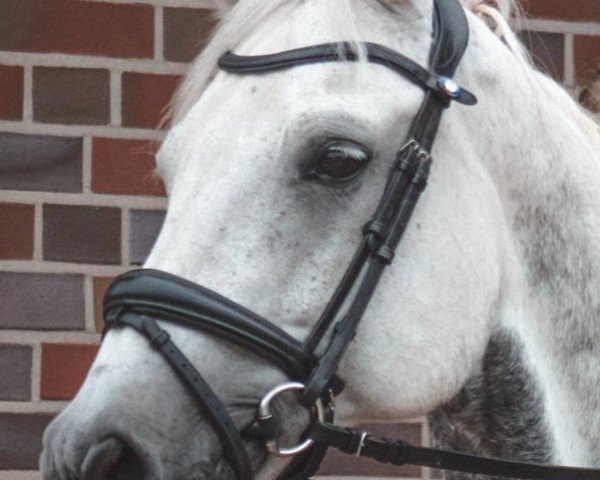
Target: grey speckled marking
(499,412)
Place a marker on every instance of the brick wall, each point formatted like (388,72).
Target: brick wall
(564,37)
(83,85)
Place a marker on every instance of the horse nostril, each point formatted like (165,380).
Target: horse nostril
(112,459)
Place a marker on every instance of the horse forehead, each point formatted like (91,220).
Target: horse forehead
(301,23)
(337,86)
(307,104)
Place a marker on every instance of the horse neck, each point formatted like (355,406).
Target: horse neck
(544,159)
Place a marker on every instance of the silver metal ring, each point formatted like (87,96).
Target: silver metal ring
(264,413)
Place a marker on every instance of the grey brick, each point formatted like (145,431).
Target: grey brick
(40,163)
(71,95)
(41,301)
(15,372)
(21,440)
(74,233)
(145,227)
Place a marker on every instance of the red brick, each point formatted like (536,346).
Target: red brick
(124,167)
(16,231)
(578,10)
(79,27)
(11,92)
(101,285)
(64,368)
(146,97)
(587,56)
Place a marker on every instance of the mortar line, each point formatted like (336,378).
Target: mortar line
(38,231)
(86,165)
(207,4)
(30,337)
(569,60)
(33,128)
(19,266)
(560,26)
(426,442)
(32,407)
(64,60)
(116,95)
(27,93)
(88,299)
(20,475)
(125,233)
(36,371)
(91,199)
(159,34)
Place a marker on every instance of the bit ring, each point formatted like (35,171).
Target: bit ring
(264,413)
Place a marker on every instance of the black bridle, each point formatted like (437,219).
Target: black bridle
(139,298)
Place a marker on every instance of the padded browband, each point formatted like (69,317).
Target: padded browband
(162,295)
(344,51)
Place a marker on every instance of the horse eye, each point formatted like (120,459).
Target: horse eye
(339,162)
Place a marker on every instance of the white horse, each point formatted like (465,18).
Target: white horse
(488,320)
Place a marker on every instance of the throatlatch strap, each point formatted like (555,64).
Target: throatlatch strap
(231,441)
(358,443)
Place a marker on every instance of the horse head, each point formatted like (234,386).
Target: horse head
(270,178)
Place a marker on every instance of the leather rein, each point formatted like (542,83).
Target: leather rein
(141,298)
